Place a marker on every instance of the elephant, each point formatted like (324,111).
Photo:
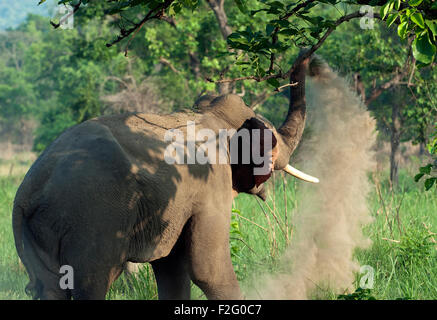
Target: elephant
(102,196)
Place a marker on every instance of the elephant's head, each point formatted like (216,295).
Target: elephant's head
(285,139)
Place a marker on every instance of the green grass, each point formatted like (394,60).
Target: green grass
(13,277)
(402,253)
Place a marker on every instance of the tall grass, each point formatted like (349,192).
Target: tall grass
(13,277)
(403,251)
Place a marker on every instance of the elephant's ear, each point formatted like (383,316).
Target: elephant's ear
(244,178)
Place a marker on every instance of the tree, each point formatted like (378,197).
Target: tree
(391,85)
(262,38)
(55,75)
(249,47)
(16,93)
(294,20)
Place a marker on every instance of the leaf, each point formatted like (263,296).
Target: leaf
(429,183)
(41,2)
(398,4)
(386,8)
(418,176)
(241,4)
(432,26)
(414,3)
(289,31)
(273,82)
(404,18)
(276,4)
(423,49)
(269,29)
(118,7)
(253,12)
(333,2)
(313,20)
(402,29)
(426,169)
(234,210)
(280,23)
(391,18)
(418,19)
(175,9)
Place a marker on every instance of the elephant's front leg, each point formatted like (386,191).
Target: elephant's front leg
(210,263)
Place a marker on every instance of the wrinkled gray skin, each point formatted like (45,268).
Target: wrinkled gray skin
(102,195)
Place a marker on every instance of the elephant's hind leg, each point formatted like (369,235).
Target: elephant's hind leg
(210,260)
(93,271)
(171,274)
(55,294)
(94,284)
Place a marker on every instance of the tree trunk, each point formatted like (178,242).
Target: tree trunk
(422,148)
(218,6)
(225,87)
(394,143)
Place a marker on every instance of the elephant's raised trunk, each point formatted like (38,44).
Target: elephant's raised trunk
(292,128)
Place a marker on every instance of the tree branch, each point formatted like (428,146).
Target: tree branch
(396,80)
(170,20)
(194,63)
(276,30)
(169,64)
(156,13)
(302,57)
(218,7)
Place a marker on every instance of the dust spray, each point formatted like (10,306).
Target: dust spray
(330,216)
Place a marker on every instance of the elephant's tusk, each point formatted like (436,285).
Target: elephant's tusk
(299,174)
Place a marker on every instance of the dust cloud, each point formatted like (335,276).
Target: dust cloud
(329,219)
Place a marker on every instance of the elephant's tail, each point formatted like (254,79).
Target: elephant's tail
(37,263)
(18,219)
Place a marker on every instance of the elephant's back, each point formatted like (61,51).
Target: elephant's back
(83,157)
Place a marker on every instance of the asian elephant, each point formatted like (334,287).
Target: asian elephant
(102,195)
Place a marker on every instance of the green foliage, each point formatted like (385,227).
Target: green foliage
(359,294)
(403,252)
(284,26)
(236,240)
(52,124)
(266,29)
(393,280)
(415,247)
(265,40)
(377,65)
(430,178)
(414,21)
(139,286)
(54,75)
